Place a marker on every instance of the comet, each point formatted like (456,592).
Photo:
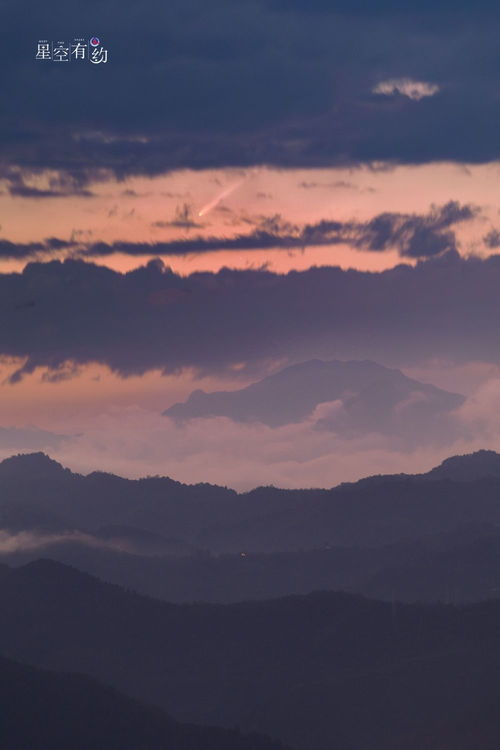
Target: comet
(215,202)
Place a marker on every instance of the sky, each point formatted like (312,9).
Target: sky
(243,185)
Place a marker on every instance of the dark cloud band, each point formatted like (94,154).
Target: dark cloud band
(150,318)
(286,83)
(413,235)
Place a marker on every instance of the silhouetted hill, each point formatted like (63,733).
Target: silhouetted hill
(321,671)
(35,465)
(367,396)
(420,538)
(458,567)
(42,710)
(373,512)
(158,515)
(468,467)
(38,494)
(426,537)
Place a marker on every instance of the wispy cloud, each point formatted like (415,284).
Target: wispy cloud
(183,219)
(413,235)
(31,541)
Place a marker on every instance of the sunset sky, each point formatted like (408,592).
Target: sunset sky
(241,186)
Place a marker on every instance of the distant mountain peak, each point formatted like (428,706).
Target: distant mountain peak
(366,397)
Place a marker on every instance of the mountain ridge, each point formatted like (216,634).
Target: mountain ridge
(481,463)
(42,709)
(324,670)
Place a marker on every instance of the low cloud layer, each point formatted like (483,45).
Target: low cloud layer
(136,442)
(12,542)
(29,438)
